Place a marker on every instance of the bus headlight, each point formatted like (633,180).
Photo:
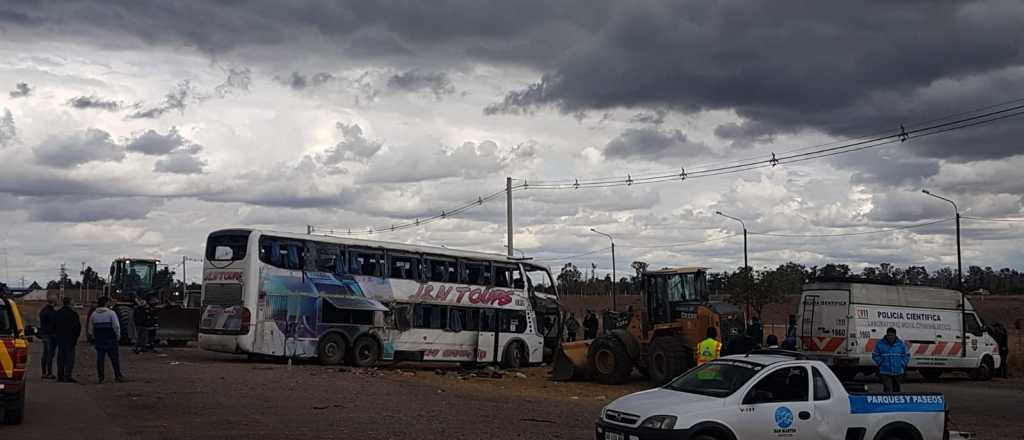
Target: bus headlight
(659,422)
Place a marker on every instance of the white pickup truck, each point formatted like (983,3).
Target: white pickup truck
(770,394)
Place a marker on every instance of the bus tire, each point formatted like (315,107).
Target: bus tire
(608,361)
(331,350)
(513,357)
(668,359)
(365,352)
(984,370)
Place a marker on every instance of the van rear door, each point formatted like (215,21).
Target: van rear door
(824,321)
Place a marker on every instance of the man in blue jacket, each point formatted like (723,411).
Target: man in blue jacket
(105,330)
(892,357)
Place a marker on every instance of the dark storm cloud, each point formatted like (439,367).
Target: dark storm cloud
(417,80)
(300,81)
(66,209)
(21,90)
(180,162)
(906,206)
(177,99)
(379,28)
(152,143)
(94,102)
(69,151)
(656,117)
(839,67)
(746,134)
(353,146)
(653,144)
(237,81)
(887,169)
(8,131)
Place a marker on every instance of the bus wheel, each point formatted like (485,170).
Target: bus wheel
(331,350)
(365,352)
(513,357)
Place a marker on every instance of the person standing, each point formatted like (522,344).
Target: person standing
(67,327)
(999,333)
(571,327)
(106,333)
(590,325)
(789,342)
(892,358)
(140,316)
(47,337)
(772,342)
(710,348)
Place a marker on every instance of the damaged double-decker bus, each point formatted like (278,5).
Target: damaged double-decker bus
(355,301)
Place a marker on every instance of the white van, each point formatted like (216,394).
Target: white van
(840,323)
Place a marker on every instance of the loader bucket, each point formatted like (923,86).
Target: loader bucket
(178,325)
(570,361)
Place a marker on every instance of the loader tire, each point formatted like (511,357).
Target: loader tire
(669,358)
(609,361)
(126,319)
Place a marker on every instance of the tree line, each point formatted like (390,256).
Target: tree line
(758,288)
(163,278)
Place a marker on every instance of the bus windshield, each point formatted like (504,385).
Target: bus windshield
(716,379)
(540,279)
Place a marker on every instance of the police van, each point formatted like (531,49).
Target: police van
(840,323)
(770,394)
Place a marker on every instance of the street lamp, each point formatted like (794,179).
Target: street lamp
(959,273)
(521,253)
(744,225)
(613,264)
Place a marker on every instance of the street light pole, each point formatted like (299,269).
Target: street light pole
(614,308)
(959,274)
(744,225)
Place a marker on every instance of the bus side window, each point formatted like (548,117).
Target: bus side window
(456,318)
(437,270)
(973,327)
(487,320)
(475,273)
(401,316)
(472,321)
(513,321)
(404,267)
(365,263)
(326,258)
(431,316)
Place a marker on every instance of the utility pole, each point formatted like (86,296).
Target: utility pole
(508,213)
(63,274)
(81,285)
(959,274)
(746,264)
(614,280)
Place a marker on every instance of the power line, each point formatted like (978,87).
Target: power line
(848,234)
(938,126)
(777,159)
(984,219)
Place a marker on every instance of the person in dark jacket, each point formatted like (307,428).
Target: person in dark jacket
(140,316)
(590,325)
(999,333)
(772,342)
(66,329)
(47,337)
(106,333)
(789,342)
(740,343)
(892,358)
(571,327)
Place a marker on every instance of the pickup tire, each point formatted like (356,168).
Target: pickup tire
(668,358)
(609,361)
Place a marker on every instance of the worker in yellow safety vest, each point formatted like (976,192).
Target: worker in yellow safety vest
(709,349)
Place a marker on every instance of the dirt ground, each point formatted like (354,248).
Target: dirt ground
(188,393)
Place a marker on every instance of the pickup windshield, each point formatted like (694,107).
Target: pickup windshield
(716,379)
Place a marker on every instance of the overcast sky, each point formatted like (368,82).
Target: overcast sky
(137,127)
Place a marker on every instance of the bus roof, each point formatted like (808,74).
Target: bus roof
(404,247)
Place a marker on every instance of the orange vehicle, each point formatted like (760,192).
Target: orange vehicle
(13,362)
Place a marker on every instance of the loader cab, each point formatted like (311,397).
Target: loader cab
(673,294)
(132,277)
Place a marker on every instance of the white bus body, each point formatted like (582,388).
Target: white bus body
(285,293)
(840,323)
